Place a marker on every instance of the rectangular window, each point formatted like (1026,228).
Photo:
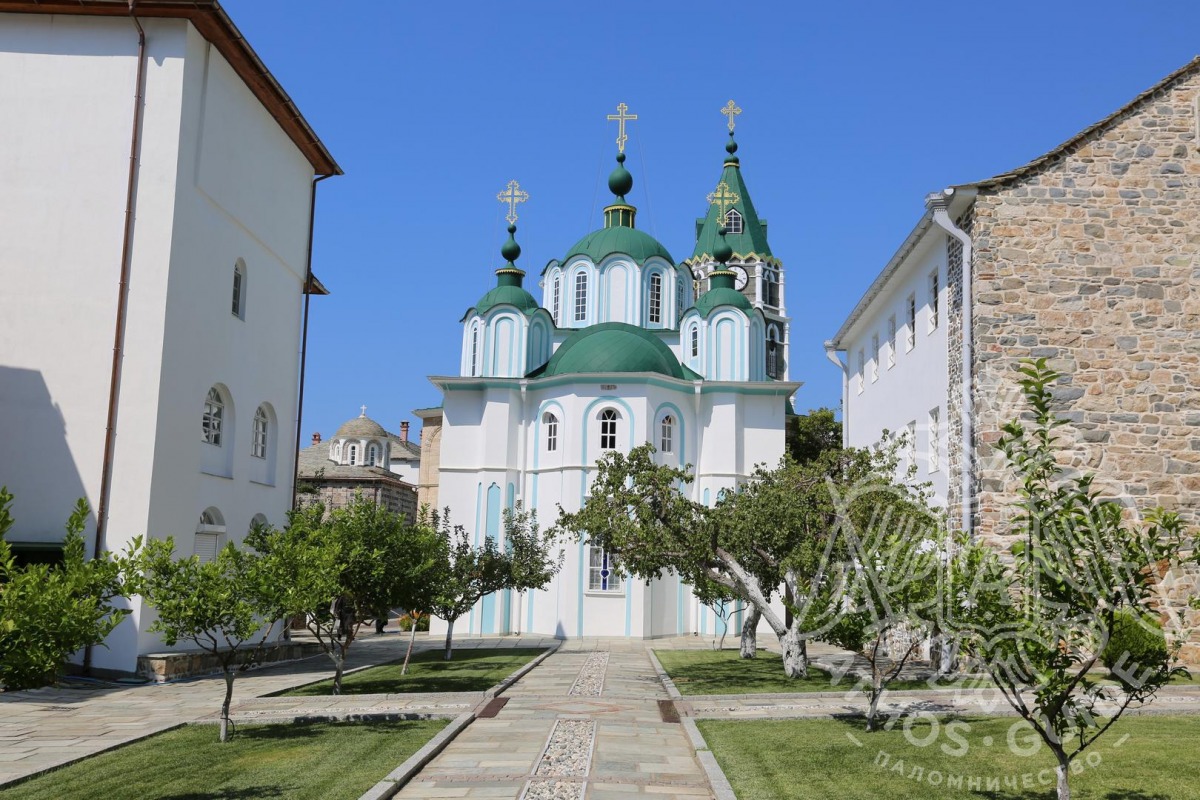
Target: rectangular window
(910,445)
(551,432)
(862,367)
(911,333)
(602,572)
(874,357)
(237,292)
(581,282)
(556,298)
(656,298)
(935,440)
(206,546)
(679,295)
(934,296)
(891,342)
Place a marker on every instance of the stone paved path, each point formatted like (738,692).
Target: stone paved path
(43,728)
(583,724)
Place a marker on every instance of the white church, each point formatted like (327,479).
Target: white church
(626,346)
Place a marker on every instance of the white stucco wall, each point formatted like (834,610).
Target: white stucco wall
(218,180)
(916,384)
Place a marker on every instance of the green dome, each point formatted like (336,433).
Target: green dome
(620,181)
(613,347)
(601,244)
(722,296)
(506,295)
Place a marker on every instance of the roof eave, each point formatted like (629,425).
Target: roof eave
(210,19)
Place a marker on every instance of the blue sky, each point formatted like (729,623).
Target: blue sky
(852,113)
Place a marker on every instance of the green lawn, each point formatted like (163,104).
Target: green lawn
(1141,758)
(468,671)
(295,761)
(724,672)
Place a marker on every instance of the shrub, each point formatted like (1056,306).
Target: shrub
(1142,639)
(406,623)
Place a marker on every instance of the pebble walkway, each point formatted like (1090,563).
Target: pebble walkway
(585,724)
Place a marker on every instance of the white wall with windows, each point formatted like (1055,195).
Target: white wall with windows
(651,295)
(897,363)
(214,300)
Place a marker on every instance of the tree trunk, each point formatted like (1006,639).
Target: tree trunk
(795,654)
(412,638)
(449,638)
(1063,772)
(876,693)
(229,676)
(339,664)
(750,633)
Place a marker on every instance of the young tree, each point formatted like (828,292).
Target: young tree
(48,612)
(469,572)
(227,607)
(1040,622)
(348,566)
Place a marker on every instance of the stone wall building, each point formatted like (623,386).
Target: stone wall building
(1085,256)
(355,461)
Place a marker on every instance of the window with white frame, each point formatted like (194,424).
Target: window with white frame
(608,429)
(603,575)
(680,293)
(862,369)
(474,366)
(773,349)
(695,341)
(733,221)
(934,298)
(372,455)
(551,423)
(214,416)
(935,439)
(258,444)
(556,297)
(891,342)
(581,288)
(911,333)
(353,456)
(239,289)
(874,357)
(910,445)
(667,439)
(656,298)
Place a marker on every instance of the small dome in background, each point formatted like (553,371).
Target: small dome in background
(360,427)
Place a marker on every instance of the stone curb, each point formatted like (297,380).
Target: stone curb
(716,777)
(667,683)
(501,687)
(397,778)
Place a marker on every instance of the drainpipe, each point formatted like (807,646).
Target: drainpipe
(306,290)
(831,352)
(114,385)
(938,203)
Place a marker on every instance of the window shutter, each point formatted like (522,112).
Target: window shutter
(206,546)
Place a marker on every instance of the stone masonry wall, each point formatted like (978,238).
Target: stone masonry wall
(431,462)
(1091,261)
(397,498)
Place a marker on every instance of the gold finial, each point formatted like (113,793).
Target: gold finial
(723,198)
(621,117)
(512,195)
(731,110)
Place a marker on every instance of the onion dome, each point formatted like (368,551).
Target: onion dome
(508,289)
(619,234)
(720,282)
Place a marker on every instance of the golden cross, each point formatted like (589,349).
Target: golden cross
(730,110)
(723,198)
(621,117)
(512,195)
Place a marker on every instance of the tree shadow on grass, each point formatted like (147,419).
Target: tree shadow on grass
(244,793)
(1049,794)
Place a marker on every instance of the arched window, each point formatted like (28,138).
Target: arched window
(556,297)
(608,429)
(581,287)
(206,542)
(214,416)
(680,293)
(353,458)
(337,451)
(372,455)
(259,521)
(773,370)
(551,423)
(474,349)
(656,298)
(733,221)
(258,443)
(239,289)
(668,434)
(695,341)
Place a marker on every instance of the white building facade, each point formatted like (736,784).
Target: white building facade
(626,347)
(203,291)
